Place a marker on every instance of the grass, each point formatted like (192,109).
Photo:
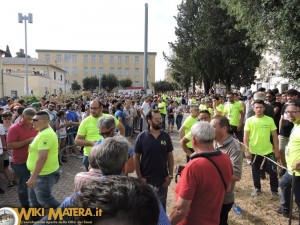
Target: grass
(258,210)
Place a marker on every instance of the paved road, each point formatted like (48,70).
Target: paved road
(64,187)
(61,190)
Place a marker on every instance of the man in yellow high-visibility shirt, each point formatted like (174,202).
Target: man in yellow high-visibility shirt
(162,107)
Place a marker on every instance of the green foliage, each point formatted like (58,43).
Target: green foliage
(273,24)
(163,86)
(125,83)
(209,48)
(75,86)
(109,82)
(30,99)
(21,54)
(90,83)
(7,52)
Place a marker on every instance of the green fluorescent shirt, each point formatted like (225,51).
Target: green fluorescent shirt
(292,153)
(188,123)
(89,129)
(45,140)
(259,134)
(233,112)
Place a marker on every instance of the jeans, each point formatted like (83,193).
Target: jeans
(224,213)
(162,194)
(40,195)
(23,175)
(85,162)
(178,121)
(163,121)
(271,169)
(286,188)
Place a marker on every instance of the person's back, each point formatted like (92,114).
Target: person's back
(201,183)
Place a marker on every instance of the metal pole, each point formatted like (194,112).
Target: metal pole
(99,83)
(26,63)
(292,199)
(146,49)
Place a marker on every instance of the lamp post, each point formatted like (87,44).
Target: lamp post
(21,19)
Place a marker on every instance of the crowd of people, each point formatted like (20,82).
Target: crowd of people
(217,133)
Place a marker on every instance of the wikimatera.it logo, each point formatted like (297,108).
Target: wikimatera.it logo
(15,216)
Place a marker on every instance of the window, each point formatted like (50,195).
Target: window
(54,75)
(136,59)
(74,58)
(93,58)
(119,59)
(136,71)
(85,71)
(101,71)
(136,83)
(120,71)
(93,71)
(74,71)
(127,72)
(111,59)
(67,69)
(101,59)
(58,58)
(61,77)
(14,93)
(112,70)
(67,57)
(54,90)
(126,59)
(85,58)
(47,58)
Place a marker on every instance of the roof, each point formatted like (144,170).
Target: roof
(92,52)
(30,62)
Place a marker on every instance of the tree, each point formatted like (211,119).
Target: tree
(209,48)
(90,83)
(21,54)
(109,82)
(125,83)
(274,24)
(7,52)
(162,86)
(75,86)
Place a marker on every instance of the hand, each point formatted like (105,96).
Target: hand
(31,182)
(167,182)
(296,166)
(239,128)
(248,155)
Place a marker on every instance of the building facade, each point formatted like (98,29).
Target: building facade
(80,64)
(43,78)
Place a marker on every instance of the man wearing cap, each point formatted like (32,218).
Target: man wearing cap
(186,127)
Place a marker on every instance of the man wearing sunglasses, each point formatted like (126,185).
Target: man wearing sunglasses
(43,164)
(88,132)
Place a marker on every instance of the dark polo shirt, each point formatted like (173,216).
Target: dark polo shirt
(154,165)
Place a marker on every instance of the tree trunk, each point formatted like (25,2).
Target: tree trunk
(228,86)
(207,86)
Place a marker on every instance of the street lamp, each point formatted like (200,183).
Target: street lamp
(21,19)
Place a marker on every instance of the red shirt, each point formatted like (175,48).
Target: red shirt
(200,182)
(19,132)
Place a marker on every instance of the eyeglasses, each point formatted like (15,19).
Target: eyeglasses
(158,119)
(106,134)
(15,109)
(291,112)
(6,118)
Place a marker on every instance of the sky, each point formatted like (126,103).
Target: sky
(100,25)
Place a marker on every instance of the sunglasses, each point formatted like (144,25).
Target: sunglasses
(35,120)
(105,134)
(6,118)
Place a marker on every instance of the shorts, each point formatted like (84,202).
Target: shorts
(171,121)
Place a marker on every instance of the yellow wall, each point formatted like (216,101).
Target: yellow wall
(66,60)
(14,77)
